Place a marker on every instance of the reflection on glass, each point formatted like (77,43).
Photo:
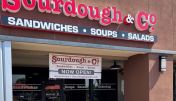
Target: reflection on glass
(34,85)
(19,78)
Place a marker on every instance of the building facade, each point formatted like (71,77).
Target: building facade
(138,36)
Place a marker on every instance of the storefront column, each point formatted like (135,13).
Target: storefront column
(1,75)
(144,81)
(7,69)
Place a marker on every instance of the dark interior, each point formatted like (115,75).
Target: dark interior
(33,84)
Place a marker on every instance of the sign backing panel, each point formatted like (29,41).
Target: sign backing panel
(74,66)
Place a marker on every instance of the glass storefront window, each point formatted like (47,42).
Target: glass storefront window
(32,84)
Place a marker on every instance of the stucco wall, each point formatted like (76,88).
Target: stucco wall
(164,29)
(144,81)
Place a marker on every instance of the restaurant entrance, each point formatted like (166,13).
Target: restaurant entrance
(32,84)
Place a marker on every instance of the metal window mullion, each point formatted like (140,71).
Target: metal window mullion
(1,75)
(7,69)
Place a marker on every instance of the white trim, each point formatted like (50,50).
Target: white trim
(87,45)
(1,75)
(7,68)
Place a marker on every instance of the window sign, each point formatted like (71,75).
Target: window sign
(74,66)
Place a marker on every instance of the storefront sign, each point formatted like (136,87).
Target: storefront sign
(81,30)
(52,92)
(27,87)
(52,87)
(106,86)
(143,21)
(74,66)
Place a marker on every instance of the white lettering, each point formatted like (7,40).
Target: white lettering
(11,20)
(104,33)
(45,25)
(140,37)
(27,23)
(75,29)
(19,22)
(36,24)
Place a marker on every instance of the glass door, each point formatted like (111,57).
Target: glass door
(32,84)
(75,90)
